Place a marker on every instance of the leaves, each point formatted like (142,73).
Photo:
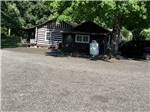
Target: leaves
(145,34)
(127,34)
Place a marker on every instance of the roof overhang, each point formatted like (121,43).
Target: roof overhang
(86,33)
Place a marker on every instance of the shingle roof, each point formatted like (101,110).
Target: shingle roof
(91,27)
(71,24)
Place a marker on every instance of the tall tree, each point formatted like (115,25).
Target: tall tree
(114,14)
(23,14)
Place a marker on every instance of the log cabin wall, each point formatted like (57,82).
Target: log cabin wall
(41,35)
(55,30)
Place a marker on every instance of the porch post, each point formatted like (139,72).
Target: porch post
(36,35)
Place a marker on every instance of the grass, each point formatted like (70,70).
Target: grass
(9,42)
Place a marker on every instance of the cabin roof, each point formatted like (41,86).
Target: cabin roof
(72,24)
(86,33)
(44,23)
(90,27)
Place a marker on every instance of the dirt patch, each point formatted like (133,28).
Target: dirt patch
(100,98)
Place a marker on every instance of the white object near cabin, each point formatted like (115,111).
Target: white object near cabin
(94,48)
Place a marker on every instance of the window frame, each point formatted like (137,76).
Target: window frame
(82,36)
(46,35)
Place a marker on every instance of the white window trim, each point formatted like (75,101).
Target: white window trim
(46,35)
(82,38)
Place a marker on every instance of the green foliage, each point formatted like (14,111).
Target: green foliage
(127,34)
(9,42)
(145,34)
(131,14)
(23,14)
(11,15)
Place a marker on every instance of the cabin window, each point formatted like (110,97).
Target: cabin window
(47,35)
(82,38)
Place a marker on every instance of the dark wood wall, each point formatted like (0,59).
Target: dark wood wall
(84,47)
(95,32)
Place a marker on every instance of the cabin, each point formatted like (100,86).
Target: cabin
(48,34)
(79,38)
(72,37)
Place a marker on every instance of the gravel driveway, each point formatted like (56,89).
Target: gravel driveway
(38,83)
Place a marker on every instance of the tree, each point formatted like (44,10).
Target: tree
(11,15)
(127,13)
(18,15)
(131,14)
(58,10)
(11,18)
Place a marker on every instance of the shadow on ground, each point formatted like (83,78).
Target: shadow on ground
(55,54)
(59,53)
(84,56)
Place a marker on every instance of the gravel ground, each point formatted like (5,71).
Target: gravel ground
(38,83)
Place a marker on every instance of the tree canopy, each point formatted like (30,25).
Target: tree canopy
(130,14)
(24,14)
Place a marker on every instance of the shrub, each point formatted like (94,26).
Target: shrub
(9,42)
(126,34)
(145,34)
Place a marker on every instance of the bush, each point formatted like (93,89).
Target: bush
(145,34)
(134,48)
(9,42)
(127,34)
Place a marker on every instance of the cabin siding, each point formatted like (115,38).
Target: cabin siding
(84,47)
(56,33)
(41,35)
(95,32)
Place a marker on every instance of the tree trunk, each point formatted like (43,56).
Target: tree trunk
(116,39)
(9,32)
